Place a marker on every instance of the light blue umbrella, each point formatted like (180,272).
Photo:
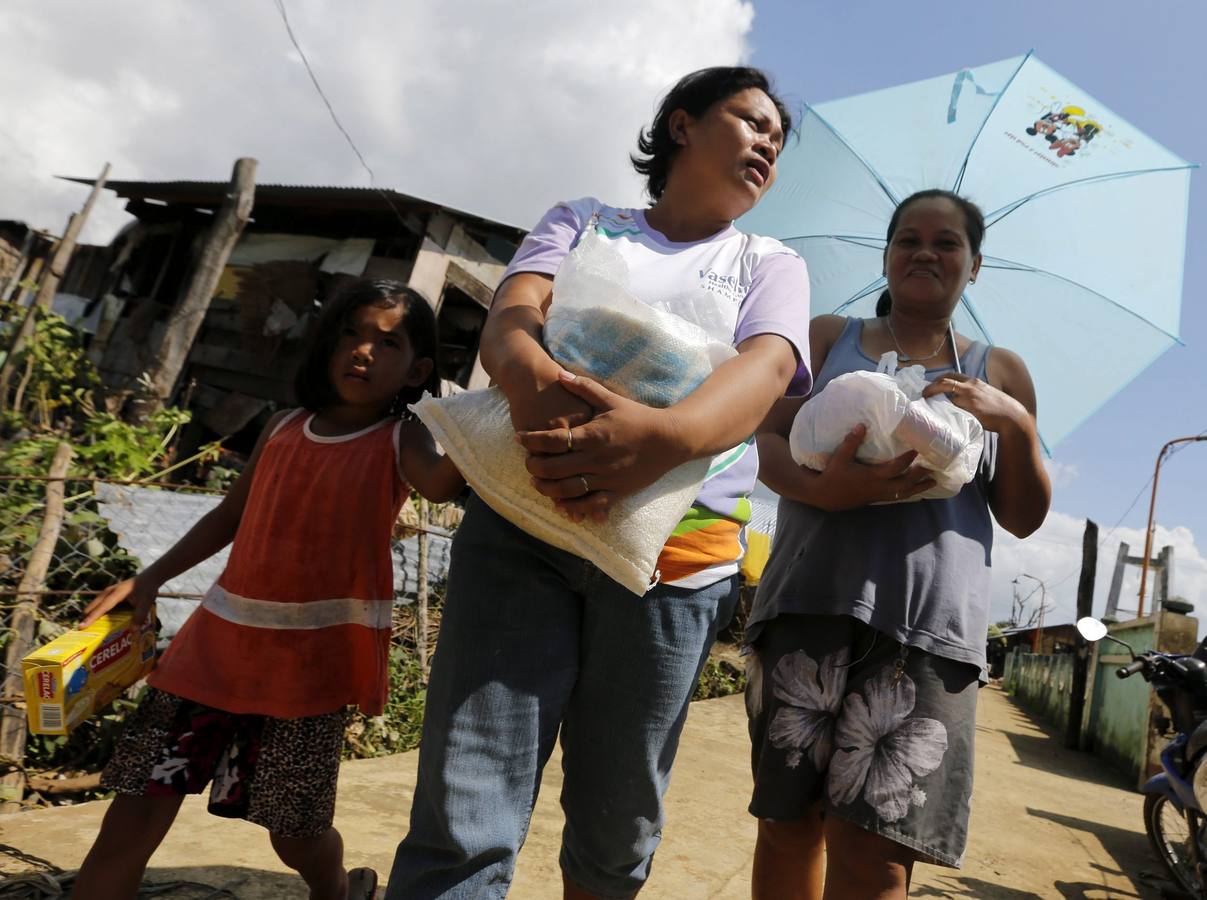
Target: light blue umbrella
(1086,217)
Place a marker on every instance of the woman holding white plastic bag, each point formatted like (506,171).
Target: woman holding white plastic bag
(868,629)
(534,639)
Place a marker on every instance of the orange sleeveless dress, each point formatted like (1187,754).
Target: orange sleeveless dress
(298,624)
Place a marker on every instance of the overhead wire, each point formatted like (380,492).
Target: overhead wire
(293,39)
(1140,493)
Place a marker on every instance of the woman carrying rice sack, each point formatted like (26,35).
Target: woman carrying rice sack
(534,639)
(868,628)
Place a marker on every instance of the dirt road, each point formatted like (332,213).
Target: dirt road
(1047,823)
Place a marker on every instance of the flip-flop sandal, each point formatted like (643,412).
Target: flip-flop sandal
(362,884)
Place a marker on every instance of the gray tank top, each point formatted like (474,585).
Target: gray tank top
(918,572)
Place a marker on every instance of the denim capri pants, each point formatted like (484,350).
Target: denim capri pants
(535,641)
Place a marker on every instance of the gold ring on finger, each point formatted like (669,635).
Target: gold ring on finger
(586,487)
(569,441)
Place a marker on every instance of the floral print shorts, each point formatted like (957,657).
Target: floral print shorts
(879,732)
(278,773)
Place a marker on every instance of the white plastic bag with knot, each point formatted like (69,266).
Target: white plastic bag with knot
(595,327)
(889,402)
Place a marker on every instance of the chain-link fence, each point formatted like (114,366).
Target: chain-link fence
(64,539)
(86,556)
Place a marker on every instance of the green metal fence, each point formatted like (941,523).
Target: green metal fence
(1118,723)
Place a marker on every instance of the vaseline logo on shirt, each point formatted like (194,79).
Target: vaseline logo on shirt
(728,286)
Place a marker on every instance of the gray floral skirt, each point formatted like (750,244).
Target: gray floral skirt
(879,732)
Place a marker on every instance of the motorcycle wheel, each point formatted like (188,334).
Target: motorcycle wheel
(1170,835)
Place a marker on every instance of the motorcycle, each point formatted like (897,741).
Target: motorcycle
(1175,800)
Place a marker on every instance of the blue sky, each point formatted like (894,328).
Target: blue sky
(1148,64)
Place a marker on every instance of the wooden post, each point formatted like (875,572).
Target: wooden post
(1085,605)
(421,597)
(50,280)
(1112,599)
(20,291)
(62,253)
(23,626)
(189,312)
(21,334)
(1089,714)
(23,262)
(1164,574)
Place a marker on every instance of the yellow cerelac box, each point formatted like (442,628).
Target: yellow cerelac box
(82,671)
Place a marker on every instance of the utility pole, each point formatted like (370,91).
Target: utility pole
(1152,505)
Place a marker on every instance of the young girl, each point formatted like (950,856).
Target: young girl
(253,691)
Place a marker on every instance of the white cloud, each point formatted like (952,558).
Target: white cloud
(500,109)
(1061,474)
(1053,554)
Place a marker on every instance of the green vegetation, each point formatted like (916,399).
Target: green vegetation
(720,678)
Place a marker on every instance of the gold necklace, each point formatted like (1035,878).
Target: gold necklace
(902,355)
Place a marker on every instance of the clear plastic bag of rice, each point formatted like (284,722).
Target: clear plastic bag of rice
(595,327)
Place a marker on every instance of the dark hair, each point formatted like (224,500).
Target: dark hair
(312,382)
(974,228)
(694,94)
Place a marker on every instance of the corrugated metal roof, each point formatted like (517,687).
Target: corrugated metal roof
(211,193)
(148,521)
(763,515)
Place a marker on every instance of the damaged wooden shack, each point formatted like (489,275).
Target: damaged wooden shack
(23,253)
(301,245)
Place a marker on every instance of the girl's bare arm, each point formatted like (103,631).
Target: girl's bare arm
(425,468)
(211,533)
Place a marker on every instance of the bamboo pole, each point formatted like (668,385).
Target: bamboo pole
(421,590)
(23,626)
(50,281)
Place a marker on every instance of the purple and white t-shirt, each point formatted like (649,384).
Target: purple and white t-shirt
(768,286)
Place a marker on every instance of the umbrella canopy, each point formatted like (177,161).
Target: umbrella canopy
(1082,272)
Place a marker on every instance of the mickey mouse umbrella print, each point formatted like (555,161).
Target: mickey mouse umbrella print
(1086,216)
